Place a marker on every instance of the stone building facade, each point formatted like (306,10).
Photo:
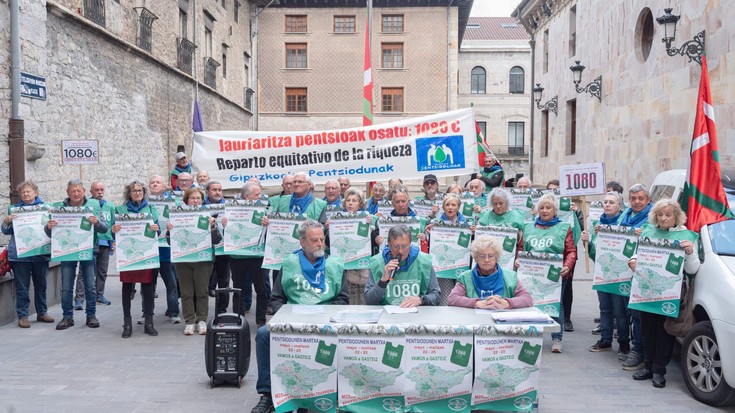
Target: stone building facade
(116,72)
(644,121)
(318,53)
(495,77)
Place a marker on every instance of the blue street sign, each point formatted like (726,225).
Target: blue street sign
(32,86)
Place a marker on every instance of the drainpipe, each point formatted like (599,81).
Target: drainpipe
(196,58)
(256,56)
(449,45)
(532,42)
(16,133)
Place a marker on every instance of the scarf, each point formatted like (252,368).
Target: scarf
(187,168)
(493,168)
(208,202)
(460,218)
(135,208)
(35,202)
(638,220)
(551,223)
(314,273)
(337,203)
(410,213)
(412,254)
(372,206)
(487,285)
(604,220)
(299,205)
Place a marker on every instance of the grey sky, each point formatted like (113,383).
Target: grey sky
(493,8)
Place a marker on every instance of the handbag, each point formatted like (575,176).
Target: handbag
(680,326)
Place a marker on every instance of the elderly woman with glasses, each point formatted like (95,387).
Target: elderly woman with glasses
(487,285)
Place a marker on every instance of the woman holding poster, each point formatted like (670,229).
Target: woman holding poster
(500,215)
(487,285)
(34,264)
(547,234)
(665,221)
(135,201)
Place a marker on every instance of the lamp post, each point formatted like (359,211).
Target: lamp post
(551,105)
(594,88)
(692,49)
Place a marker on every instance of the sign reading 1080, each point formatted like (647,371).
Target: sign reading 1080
(80,152)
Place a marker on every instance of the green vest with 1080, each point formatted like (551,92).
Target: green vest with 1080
(299,291)
(549,240)
(313,211)
(509,279)
(414,282)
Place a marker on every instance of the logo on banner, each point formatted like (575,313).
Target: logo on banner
(523,403)
(438,153)
(668,308)
(323,404)
(457,404)
(624,288)
(392,405)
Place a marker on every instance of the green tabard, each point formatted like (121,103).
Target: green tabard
(509,278)
(414,282)
(549,240)
(299,291)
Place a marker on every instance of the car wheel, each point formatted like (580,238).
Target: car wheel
(701,367)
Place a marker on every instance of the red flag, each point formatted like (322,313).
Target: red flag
(482,147)
(704,198)
(367,85)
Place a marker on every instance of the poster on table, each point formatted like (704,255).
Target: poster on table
(385,207)
(349,238)
(415,225)
(508,238)
(136,243)
(30,238)
(450,248)
(443,144)
(614,247)
(656,285)
(244,229)
(72,239)
(507,368)
(423,207)
(303,367)
(438,366)
(371,373)
(218,212)
(191,235)
(524,201)
(281,238)
(163,206)
(540,273)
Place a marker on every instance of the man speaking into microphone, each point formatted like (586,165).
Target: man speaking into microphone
(402,274)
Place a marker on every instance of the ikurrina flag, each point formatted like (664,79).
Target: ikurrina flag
(482,147)
(704,198)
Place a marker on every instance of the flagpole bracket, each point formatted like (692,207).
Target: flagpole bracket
(594,88)
(692,49)
(551,105)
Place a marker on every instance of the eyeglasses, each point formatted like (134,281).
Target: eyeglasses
(483,257)
(186,180)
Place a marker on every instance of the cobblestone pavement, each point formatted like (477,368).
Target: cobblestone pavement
(94,370)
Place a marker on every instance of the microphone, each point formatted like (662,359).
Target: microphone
(393,271)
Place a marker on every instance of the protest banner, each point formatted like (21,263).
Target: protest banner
(385,206)
(450,248)
(218,212)
(163,205)
(444,144)
(191,236)
(507,368)
(524,200)
(582,179)
(349,234)
(72,239)
(438,364)
(281,238)
(330,210)
(136,243)
(468,203)
(303,367)
(656,284)
(423,207)
(594,213)
(416,225)
(370,361)
(540,273)
(614,247)
(508,238)
(30,238)
(244,230)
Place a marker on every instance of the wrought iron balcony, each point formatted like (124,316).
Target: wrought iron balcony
(184,54)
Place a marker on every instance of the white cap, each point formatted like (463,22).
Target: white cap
(180,155)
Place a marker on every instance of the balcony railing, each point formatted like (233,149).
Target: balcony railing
(94,10)
(509,151)
(210,72)
(145,32)
(184,54)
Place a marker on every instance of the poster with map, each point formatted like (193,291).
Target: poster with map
(524,200)
(281,238)
(218,212)
(303,367)
(507,368)
(72,239)
(450,248)
(614,246)
(244,229)
(385,207)
(656,285)
(191,236)
(416,225)
(508,238)
(136,243)
(163,205)
(371,373)
(540,273)
(438,368)
(349,239)
(422,207)
(30,238)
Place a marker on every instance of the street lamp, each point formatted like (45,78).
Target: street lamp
(551,105)
(594,88)
(692,49)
